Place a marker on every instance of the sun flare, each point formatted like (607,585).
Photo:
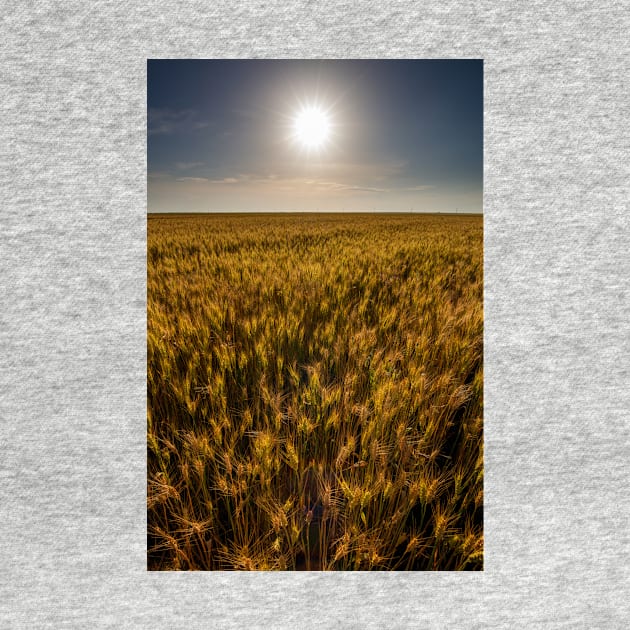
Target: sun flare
(312,127)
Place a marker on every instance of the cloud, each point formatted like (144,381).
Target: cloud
(271,182)
(165,121)
(424,187)
(231,191)
(291,183)
(225,180)
(332,185)
(354,172)
(340,186)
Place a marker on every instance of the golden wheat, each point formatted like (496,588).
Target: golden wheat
(315,392)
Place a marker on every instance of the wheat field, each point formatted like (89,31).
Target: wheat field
(315,392)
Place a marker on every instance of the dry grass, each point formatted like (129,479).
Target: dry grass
(315,392)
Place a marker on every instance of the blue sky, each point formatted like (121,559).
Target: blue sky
(400,135)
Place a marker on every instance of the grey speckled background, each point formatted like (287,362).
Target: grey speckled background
(72,329)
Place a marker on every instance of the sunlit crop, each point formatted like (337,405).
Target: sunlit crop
(315,392)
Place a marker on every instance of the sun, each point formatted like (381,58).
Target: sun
(312,127)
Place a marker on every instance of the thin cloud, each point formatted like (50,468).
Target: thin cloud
(340,186)
(382,169)
(185,166)
(158,175)
(225,180)
(165,121)
(292,182)
(350,171)
(245,181)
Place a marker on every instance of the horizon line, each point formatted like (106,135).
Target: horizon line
(402,212)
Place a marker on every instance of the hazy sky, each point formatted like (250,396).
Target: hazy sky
(230,135)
